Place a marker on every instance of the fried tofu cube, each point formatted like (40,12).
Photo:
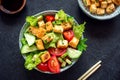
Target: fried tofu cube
(109,1)
(47,38)
(93,8)
(93,1)
(104,4)
(49,26)
(74,42)
(41,32)
(58,29)
(62,44)
(45,57)
(38,32)
(116,2)
(41,24)
(66,25)
(97,4)
(39,44)
(110,8)
(100,11)
(87,2)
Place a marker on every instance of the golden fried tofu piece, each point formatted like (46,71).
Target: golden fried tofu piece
(93,8)
(41,24)
(87,2)
(47,38)
(39,44)
(58,29)
(49,26)
(62,44)
(104,4)
(38,32)
(74,42)
(100,11)
(110,8)
(45,57)
(66,25)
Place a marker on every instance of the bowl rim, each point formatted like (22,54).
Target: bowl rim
(104,17)
(24,28)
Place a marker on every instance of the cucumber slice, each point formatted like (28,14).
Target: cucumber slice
(73,53)
(30,38)
(26,49)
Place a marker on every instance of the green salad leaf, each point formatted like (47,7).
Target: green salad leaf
(78,30)
(82,45)
(61,15)
(32,20)
(32,60)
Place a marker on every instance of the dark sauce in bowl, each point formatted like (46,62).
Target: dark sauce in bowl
(12,5)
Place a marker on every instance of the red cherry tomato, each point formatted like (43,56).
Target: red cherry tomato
(50,18)
(68,35)
(43,67)
(53,65)
(56,51)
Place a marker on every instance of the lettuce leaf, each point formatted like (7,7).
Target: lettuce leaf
(82,45)
(61,15)
(32,20)
(32,60)
(78,30)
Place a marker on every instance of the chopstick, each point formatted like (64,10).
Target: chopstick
(90,71)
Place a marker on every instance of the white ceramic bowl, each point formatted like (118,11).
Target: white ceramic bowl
(25,26)
(103,17)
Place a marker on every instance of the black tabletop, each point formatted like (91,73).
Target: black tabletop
(103,44)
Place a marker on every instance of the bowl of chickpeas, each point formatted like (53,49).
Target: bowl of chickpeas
(100,9)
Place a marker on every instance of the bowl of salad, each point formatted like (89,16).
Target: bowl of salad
(51,41)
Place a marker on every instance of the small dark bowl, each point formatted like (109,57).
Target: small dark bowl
(12,12)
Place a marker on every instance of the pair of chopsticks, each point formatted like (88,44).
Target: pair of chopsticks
(90,71)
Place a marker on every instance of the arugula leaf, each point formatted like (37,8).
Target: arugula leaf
(82,45)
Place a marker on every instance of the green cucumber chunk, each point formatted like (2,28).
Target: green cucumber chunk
(73,53)
(29,38)
(26,48)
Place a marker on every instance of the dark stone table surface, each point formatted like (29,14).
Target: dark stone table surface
(103,44)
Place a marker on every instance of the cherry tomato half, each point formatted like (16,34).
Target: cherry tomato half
(43,67)
(53,65)
(68,35)
(56,51)
(49,18)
